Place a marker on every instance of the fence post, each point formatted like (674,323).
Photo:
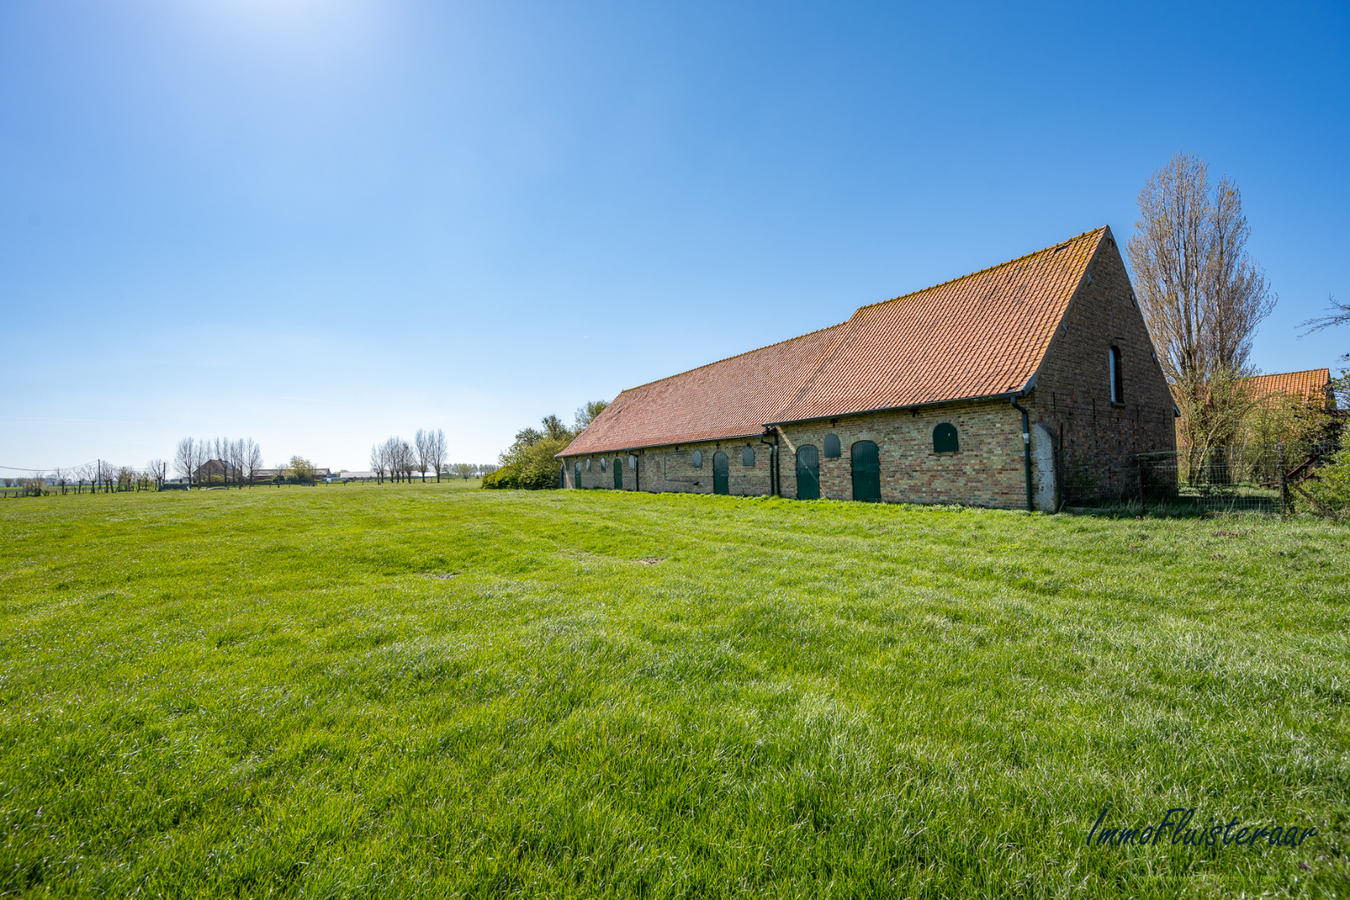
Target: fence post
(1139,461)
(1284,479)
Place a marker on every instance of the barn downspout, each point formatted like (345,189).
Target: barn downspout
(773,464)
(1026,443)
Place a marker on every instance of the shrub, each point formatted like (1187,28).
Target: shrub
(529,464)
(1330,489)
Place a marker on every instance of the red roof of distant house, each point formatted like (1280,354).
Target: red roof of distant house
(1312,383)
(977,336)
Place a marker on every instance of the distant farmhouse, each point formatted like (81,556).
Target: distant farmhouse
(989,390)
(215,470)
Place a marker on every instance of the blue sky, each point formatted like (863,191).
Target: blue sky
(321,223)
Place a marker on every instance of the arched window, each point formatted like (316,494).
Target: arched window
(698,459)
(944,439)
(831,446)
(588,464)
(602,464)
(632,460)
(1117,382)
(748,457)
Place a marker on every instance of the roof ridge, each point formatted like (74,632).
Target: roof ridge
(1326,369)
(1009,262)
(727,358)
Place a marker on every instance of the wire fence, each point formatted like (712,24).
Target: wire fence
(1261,478)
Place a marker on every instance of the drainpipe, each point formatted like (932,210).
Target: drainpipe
(773,455)
(1026,444)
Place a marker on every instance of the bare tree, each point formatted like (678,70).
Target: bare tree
(422,452)
(1202,296)
(438,452)
(377,462)
(253,460)
(185,458)
(400,459)
(158,471)
(61,477)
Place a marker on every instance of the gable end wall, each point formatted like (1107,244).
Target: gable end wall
(1097,440)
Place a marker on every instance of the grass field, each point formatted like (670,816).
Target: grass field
(364,690)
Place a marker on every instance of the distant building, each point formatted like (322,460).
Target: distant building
(216,470)
(1312,385)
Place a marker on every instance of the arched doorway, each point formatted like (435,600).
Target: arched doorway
(808,473)
(721,476)
(562,475)
(578,481)
(866,472)
(618,474)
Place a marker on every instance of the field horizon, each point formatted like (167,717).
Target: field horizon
(374,690)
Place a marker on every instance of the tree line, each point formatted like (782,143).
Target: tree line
(95,477)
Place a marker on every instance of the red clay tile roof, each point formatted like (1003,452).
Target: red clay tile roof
(730,398)
(975,336)
(1311,383)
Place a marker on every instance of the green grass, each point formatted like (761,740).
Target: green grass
(360,690)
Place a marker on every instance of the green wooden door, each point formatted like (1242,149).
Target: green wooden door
(866,472)
(618,474)
(720,474)
(577,484)
(562,475)
(808,473)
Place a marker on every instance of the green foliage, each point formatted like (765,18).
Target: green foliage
(1330,488)
(528,464)
(367,691)
(301,469)
(1288,419)
(586,414)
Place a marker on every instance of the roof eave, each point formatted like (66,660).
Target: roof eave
(624,449)
(1001,395)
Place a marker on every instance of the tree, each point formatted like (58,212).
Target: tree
(422,441)
(1202,296)
(252,460)
(586,414)
(185,458)
(464,470)
(158,470)
(377,463)
(438,451)
(554,428)
(302,468)
(528,463)
(62,478)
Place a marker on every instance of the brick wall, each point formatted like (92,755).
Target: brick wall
(987,470)
(1098,439)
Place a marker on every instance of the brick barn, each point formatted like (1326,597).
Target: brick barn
(1002,388)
